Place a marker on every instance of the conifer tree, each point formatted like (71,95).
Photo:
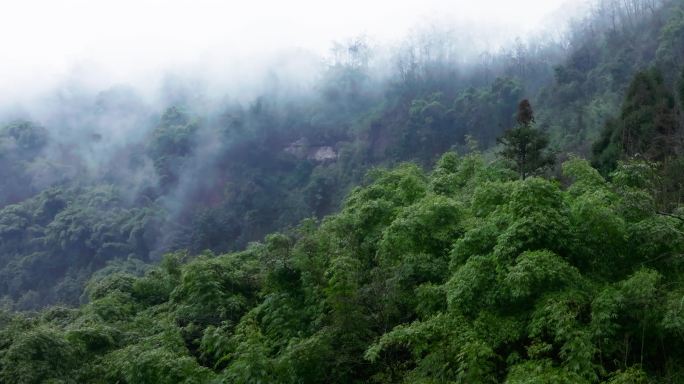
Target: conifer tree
(524,145)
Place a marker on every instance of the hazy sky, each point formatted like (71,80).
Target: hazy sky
(41,41)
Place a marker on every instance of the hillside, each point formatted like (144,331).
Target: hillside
(464,274)
(517,219)
(201,177)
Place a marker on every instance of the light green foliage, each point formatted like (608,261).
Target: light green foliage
(539,271)
(212,289)
(445,178)
(584,177)
(471,286)
(541,372)
(445,349)
(250,363)
(674,316)
(98,288)
(636,181)
(535,218)
(632,375)
(463,275)
(161,358)
(428,226)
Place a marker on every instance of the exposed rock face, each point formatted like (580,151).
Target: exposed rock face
(323,154)
(298,148)
(303,150)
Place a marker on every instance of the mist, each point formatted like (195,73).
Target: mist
(205,125)
(140,43)
(96,76)
(308,191)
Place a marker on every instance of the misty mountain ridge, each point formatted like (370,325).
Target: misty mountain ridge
(422,212)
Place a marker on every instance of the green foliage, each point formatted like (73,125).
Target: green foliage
(632,375)
(212,289)
(461,275)
(38,355)
(161,358)
(53,242)
(482,112)
(172,142)
(21,146)
(584,178)
(525,146)
(670,41)
(536,272)
(99,288)
(646,127)
(471,273)
(541,371)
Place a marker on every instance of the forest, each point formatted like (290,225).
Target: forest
(514,218)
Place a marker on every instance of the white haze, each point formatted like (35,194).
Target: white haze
(99,43)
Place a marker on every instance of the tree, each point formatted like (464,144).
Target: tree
(525,145)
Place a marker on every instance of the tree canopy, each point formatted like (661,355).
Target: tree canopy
(465,274)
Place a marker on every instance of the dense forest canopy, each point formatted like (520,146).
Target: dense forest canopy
(415,215)
(463,274)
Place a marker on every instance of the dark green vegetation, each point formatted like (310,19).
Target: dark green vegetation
(466,274)
(524,145)
(148,260)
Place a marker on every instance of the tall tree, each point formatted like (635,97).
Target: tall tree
(524,145)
